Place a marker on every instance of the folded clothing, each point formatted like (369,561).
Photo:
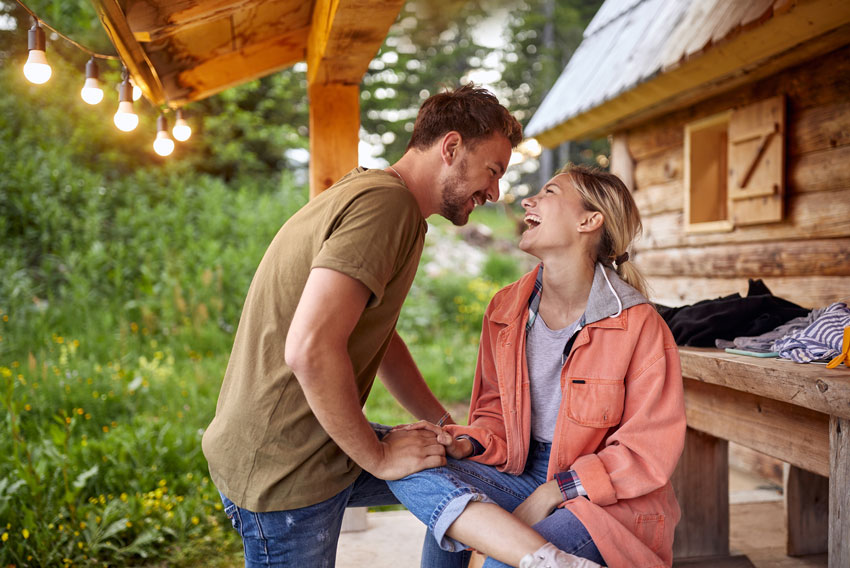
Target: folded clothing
(821,340)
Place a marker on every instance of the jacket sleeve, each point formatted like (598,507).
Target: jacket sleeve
(486,423)
(640,453)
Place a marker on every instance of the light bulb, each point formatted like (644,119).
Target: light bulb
(181,131)
(126,119)
(163,144)
(137,92)
(36,69)
(91,92)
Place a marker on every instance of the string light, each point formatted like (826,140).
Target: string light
(181,131)
(126,118)
(163,144)
(91,91)
(36,69)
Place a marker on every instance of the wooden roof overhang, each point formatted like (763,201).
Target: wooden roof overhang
(637,66)
(179,51)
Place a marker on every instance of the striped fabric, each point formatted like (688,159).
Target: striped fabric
(534,300)
(819,341)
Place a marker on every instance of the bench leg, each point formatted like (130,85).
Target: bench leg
(806,511)
(701,482)
(839,496)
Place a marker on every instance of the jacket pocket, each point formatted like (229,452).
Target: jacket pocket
(649,528)
(597,403)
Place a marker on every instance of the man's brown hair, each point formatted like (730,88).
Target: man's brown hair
(472,111)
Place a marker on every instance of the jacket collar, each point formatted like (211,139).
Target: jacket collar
(609,296)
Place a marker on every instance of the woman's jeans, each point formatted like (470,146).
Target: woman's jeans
(438,496)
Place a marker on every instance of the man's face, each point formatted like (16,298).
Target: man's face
(474,178)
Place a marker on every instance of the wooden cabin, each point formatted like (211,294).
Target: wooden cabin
(182,51)
(730,122)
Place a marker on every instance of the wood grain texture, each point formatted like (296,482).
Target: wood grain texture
(807,385)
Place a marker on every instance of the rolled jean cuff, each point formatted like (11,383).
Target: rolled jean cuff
(447,513)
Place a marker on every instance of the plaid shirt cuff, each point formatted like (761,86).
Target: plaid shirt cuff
(570,485)
(477,448)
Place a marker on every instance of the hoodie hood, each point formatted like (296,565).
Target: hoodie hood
(609,295)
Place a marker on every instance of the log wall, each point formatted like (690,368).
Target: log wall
(806,257)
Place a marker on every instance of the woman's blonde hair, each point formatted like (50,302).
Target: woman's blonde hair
(604,192)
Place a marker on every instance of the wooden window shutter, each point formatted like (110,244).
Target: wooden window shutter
(756,162)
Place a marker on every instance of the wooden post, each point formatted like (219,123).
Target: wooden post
(806,511)
(334,133)
(839,496)
(701,483)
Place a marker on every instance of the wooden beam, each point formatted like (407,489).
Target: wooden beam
(345,36)
(839,496)
(791,433)
(215,74)
(155,20)
(818,215)
(701,484)
(781,259)
(811,386)
(334,133)
(132,55)
(806,512)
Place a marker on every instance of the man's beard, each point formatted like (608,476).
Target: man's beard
(453,206)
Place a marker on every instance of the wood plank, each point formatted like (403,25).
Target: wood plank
(821,257)
(819,128)
(661,168)
(747,460)
(810,216)
(661,197)
(823,170)
(806,512)
(758,530)
(810,386)
(343,40)
(791,433)
(701,484)
(622,163)
(216,74)
(650,139)
(739,561)
(334,133)
(839,496)
(806,291)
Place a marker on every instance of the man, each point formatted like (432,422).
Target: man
(289,447)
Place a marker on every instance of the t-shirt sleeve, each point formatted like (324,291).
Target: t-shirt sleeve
(372,237)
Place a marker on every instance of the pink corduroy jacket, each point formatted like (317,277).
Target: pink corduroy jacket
(621,423)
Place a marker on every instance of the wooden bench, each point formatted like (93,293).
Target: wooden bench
(798,413)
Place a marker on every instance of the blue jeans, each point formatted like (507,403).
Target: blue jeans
(438,496)
(305,537)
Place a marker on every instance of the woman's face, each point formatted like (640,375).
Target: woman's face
(556,218)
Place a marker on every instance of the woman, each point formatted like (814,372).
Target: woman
(577,416)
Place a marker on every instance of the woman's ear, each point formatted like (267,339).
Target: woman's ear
(592,220)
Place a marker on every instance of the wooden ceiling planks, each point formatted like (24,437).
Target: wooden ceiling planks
(179,51)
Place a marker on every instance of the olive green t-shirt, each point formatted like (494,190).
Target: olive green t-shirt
(266,450)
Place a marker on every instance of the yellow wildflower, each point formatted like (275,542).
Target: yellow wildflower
(195,520)
(5,537)
(26,533)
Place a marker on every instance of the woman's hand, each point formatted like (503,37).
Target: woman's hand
(457,449)
(540,503)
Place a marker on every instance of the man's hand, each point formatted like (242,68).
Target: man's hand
(540,503)
(408,451)
(457,449)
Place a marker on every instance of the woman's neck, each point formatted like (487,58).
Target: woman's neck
(566,287)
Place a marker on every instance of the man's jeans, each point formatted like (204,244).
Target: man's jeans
(305,537)
(438,496)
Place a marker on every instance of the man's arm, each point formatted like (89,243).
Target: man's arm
(403,380)
(317,352)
